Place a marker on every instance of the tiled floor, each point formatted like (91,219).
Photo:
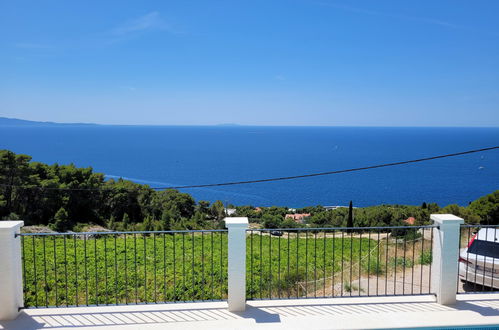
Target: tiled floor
(338,313)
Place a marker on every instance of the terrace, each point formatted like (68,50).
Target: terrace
(335,278)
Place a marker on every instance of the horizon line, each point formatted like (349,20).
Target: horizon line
(235,125)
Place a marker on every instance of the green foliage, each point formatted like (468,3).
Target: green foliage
(111,224)
(148,224)
(190,266)
(105,265)
(401,262)
(217,211)
(350,215)
(290,223)
(349,287)
(407,234)
(425,258)
(272,221)
(128,204)
(487,208)
(126,221)
(12,216)
(61,221)
(373,266)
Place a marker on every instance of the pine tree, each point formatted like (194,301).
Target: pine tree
(61,220)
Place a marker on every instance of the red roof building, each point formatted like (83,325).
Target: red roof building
(298,217)
(410,221)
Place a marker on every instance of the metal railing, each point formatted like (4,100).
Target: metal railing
(478,272)
(112,268)
(333,262)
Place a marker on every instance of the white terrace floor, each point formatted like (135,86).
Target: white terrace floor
(475,310)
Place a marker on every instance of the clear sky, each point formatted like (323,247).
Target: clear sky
(324,62)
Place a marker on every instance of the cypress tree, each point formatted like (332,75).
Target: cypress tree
(350,215)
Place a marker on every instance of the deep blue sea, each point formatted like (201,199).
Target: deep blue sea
(165,156)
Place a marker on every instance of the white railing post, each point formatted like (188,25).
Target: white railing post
(445,257)
(11,280)
(237,263)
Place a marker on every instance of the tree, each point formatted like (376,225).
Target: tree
(217,210)
(290,223)
(126,221)
(111,224)
(198,219)
(487,208)
(203,207)
(148,224)
(166,219)
(61,220)
(350,215)
(271,221)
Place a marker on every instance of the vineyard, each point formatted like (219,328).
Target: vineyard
(68,270)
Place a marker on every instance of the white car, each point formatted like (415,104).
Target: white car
(479,262)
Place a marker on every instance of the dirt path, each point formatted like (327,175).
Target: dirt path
(414,280)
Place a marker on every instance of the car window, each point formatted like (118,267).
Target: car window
(484,248)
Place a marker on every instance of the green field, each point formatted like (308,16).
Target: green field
(118,269)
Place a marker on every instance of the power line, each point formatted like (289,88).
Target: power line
(277,178)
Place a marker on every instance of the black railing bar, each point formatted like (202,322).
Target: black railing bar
(164,267)
(341,228)
(123,232)
(45,285)
(360,261)
(23,257)
(105,271)
(478,225)
(225,230)
(126,274)
(203,285)
(115,271)
(96,276)
(192,265)
(270,268)
(66,269)
(251,265)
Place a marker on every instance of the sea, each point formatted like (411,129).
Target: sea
(164,156)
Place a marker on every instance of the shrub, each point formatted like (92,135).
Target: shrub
(401,262)
(349,287)
(425,258)
(372,266)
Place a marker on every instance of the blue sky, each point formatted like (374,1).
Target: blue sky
(325,62)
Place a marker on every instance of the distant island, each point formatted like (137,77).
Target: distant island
(14,122)
(4,121)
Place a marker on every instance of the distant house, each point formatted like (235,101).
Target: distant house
(410,221)
(334,207)
(258,209)
(298,217)
(230,212)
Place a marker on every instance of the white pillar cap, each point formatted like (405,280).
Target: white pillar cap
(446,218)
(236,222)
(8,225)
